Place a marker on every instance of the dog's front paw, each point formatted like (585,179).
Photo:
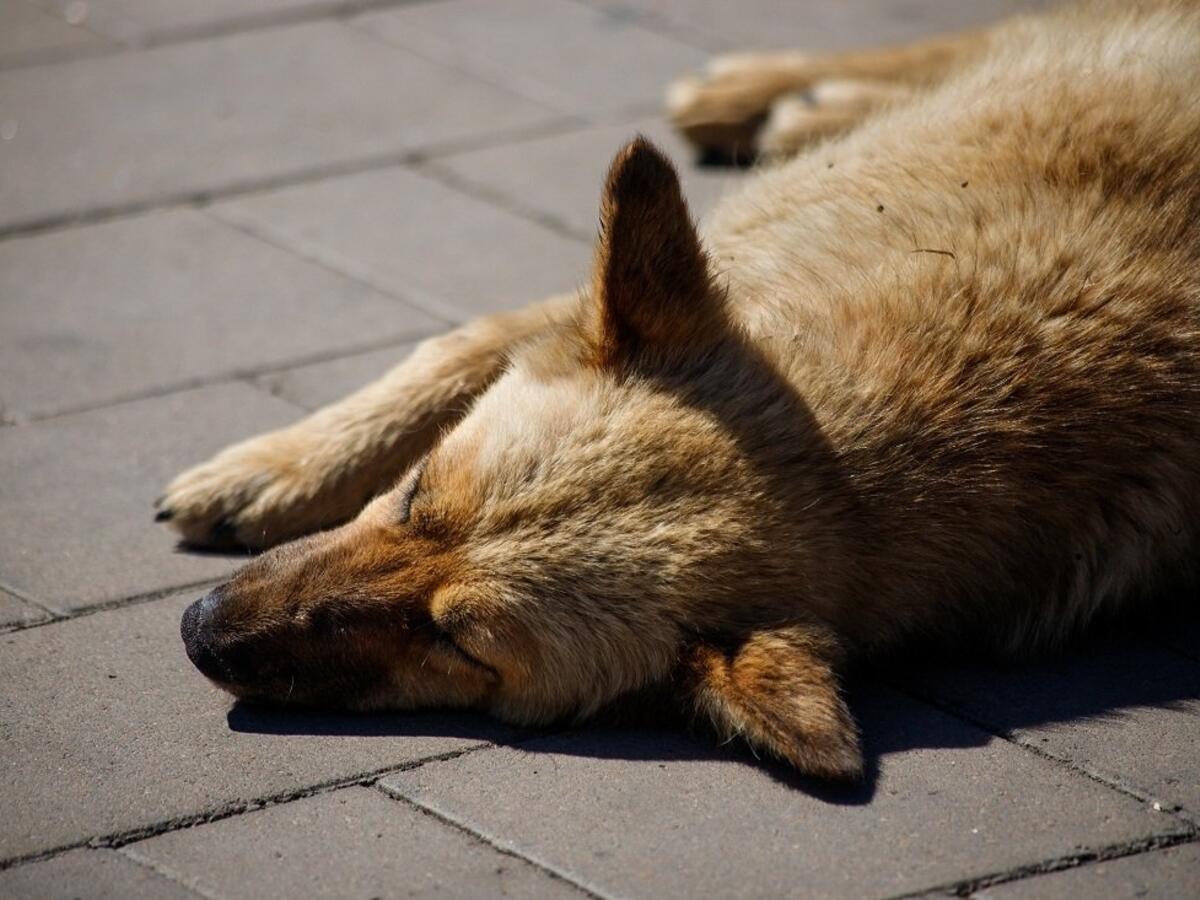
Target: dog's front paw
(254,494)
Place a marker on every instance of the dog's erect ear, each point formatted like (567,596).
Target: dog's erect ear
(778,691)
(650,282)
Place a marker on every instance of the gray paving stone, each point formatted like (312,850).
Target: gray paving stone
(1127,710)
(15,611)
(435,246)
(90,874)
(323,383)
(644,814)
(140,21)
(786,24)
(115,310)
(30,34)
(561,176)
(204,115)
(558,52)
(368,845)
(1168,874)
(76,509)
(106,727)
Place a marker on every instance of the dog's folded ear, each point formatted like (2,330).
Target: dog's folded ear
(650,282)
(778,691)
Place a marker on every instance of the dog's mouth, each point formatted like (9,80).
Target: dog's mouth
(347,667)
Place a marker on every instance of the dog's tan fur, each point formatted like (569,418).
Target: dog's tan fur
(937,378)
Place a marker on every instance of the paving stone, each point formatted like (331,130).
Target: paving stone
(30,34)
(645,814)
(77,510)
(785,24)
(561,176)
(15,611)
(140,21)
(369,846)
(1128,710)
(105,727)
(114,310)
(1166,874)
(94,874)
(319,384)
(203,115)
(411,235)
(558,52)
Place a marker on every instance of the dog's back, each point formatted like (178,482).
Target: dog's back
(988,298)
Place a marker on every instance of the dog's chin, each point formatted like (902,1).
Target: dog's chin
(272,695)
(302,697)
(239,693)
(245,693)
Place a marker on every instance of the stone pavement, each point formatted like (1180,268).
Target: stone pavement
(217,214)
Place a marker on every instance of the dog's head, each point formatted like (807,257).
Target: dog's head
(600,522)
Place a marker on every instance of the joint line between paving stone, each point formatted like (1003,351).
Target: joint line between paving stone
(435,168)
(166,872)
(494,75)
(246,376)
(119,839)
(331,11)
(188,34)
(967,887)
(474,189)
(25,598)
(1112,782)
(660,25)
(560,124)
(253,378)
(452,65)
(52,56)
(543,867)
(443,313)
(120,603)
(639,109)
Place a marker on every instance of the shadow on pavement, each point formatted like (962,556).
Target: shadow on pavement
(1098,680)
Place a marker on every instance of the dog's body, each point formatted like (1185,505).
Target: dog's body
(939,377)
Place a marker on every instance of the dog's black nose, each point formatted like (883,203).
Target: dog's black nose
(196,629)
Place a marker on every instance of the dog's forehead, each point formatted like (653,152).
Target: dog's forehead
(521,416)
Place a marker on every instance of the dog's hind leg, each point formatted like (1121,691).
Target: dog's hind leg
(322,470)
(725,111)
(831,107)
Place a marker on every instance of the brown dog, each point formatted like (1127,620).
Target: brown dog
(936,378)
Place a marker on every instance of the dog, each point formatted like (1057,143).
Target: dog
(933,374)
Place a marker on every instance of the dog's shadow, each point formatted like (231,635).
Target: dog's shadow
(906,707)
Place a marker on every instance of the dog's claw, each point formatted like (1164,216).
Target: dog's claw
(164,515)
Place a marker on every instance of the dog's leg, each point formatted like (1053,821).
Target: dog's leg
(322,470)
(831,107)
(725,111)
